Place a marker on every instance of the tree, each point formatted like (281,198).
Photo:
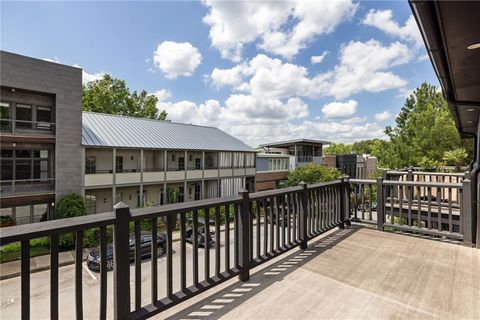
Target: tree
(71,205)
(338,148)
(456,157)
(312,173)
(424,130)
(111,95)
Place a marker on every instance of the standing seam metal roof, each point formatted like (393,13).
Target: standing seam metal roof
(106,130)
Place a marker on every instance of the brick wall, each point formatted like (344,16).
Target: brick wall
(269,180)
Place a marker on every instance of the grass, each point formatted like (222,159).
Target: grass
(12,252)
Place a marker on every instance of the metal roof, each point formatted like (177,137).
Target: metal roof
(291,142)
(272,155)
(106,130)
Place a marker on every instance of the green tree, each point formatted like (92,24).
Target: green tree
(338,148)
(424,130)
(71,205)
(111,95)
(457,157)
(312,173)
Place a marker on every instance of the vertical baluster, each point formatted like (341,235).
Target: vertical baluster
(54,244)
(439,208)
(450,217)
(206,244)
(78,274)
(392,204)
(409,195)
(227,237)
(258,242)
(362,195)
(272,233)
(370,199)
(289,221)
(250,229)
(277,223)
(235,234)
(217,241)
(154,259)
(169,273)
(419,207)
(400,207)
(283,213)
(429,213)
(295,210)
(183,251)
(25,279)
(138,267)
(195,246)
(103,273)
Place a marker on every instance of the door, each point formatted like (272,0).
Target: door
(181,163)
(119,164)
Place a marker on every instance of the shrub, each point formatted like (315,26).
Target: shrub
(72,205)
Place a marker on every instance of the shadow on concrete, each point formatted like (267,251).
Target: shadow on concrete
(225,300)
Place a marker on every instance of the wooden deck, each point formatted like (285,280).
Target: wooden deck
(356,273)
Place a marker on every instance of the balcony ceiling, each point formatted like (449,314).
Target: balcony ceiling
(448,28)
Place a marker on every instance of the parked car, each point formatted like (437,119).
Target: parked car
(374,206)
(93,258)
(200,235)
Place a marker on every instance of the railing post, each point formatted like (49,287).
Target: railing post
(342,204)
(244,232)
(380,205)
(121,273)
(346,192)
(466,212)
(303,217)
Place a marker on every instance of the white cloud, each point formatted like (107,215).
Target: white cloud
(162,95)
(87,77)
(318,59)
(363,66)
(281,27)
(177,59)
(383,116)
(340,109)
(383,20)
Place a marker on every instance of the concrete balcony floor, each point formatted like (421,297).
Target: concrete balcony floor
(356,273)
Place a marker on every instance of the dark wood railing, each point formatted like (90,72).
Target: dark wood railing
(257,227)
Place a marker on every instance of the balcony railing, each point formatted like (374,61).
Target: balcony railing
(27,127)
(257,227)
(29,186)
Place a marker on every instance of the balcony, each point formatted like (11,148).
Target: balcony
(32,128)
(298,253)
(25,187)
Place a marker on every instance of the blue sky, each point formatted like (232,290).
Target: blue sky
(245,67)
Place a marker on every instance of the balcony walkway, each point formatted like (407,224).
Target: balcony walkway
(356,273)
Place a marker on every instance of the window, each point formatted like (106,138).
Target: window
(5,116)
(198,164)
(91,204)
(6,164)
(24,116)
(197,192)
(90,164)
(181,193)
(181,163)
(119,164)
(44,114)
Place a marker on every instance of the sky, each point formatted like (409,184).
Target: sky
(262,71)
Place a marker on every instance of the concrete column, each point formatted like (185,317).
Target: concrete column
(165,201)
(202,189)
(165,166)
(185,192)
(186,164)
(114,173)
(141,178)
(82,164)
(203,164)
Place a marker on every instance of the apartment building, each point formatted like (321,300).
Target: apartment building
(143,161)
(300,151)
(272,169)
(40,135)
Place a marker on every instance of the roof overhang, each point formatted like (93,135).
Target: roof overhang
(448,28)
(286,144)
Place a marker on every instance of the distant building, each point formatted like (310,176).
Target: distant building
(40,133)
(300,151)
(347,164)
(272,169)
(353,165)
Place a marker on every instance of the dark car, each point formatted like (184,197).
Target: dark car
(200,237)
(93,258)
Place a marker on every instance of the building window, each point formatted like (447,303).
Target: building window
(91,204)
(6,164)
(5,116)
(198,163)
(197,192)
(181,163)
(24,116)
(44,114)
(181,193)
(119,164)
(90,164)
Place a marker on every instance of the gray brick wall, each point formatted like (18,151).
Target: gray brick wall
(65,83)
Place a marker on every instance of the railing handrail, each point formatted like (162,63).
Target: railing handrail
(276,192)
(26,180)
(53,227)
(324,184)
(452,174)
(363,181)
(26,121)
(423,184)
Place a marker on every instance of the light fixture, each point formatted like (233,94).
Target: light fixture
(469,121)
(470,109)
(475,45)
(13,90)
